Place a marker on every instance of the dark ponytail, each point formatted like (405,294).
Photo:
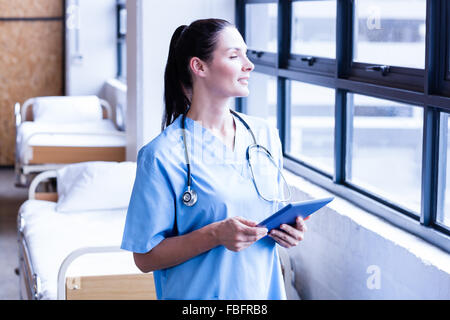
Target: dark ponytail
(196,40)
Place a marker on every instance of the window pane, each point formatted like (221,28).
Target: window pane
(261,26)
(314,28)
(385,149)
(390,32)
(312,125)
(262,99)
(443,211)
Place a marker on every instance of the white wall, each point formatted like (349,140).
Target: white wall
(150,25)
(96,24)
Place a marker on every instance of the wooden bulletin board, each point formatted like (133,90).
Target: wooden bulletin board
(31,60)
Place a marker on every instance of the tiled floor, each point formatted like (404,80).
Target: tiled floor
(10,200)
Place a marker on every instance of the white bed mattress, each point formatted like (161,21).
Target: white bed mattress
(100,133)
(51,236)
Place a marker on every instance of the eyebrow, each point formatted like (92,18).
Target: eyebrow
(236,48)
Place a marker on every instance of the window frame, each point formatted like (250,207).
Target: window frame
(425,88)
(400,77)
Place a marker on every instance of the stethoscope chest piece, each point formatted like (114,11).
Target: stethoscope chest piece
(189,197)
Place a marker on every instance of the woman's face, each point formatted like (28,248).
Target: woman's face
(228,72)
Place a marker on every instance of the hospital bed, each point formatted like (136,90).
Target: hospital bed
(73,253)
(54,131)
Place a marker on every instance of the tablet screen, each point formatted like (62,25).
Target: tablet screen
(290,212)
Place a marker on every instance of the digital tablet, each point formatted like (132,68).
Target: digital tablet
(290,212)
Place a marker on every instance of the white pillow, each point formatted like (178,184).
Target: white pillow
(64,109)
(95,185)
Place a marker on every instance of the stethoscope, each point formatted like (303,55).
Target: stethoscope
(190,197)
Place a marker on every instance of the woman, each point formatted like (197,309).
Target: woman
(211,248)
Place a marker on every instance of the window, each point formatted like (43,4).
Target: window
(121,39)
(261,31)
(312,36)
(360,91)
(389,42)
(311,125)
(443,210)
(390,32)
(314,28)
(385,149)
(261,26)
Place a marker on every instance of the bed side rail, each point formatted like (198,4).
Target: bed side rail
(107,108)
(32,194)
(22,111)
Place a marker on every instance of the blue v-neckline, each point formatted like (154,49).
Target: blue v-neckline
(218,147)
(236,152)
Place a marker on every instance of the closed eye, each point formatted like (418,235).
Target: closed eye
(233,57)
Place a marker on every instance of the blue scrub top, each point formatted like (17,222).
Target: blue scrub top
(222,179)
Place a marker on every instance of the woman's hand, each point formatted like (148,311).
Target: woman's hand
(289,236)
(237,233)
(234,233)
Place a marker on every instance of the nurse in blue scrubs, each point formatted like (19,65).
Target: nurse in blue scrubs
(197,198)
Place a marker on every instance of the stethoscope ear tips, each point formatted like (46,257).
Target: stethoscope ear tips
(189,197)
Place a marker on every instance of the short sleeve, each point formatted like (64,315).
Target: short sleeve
(151,211)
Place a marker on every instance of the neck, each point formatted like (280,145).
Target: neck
(213,114)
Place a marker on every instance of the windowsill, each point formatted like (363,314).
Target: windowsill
(423,250)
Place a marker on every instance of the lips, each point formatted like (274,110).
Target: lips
(243,80)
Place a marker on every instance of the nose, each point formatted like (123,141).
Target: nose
(248,65)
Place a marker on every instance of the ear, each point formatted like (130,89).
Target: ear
(198,67)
